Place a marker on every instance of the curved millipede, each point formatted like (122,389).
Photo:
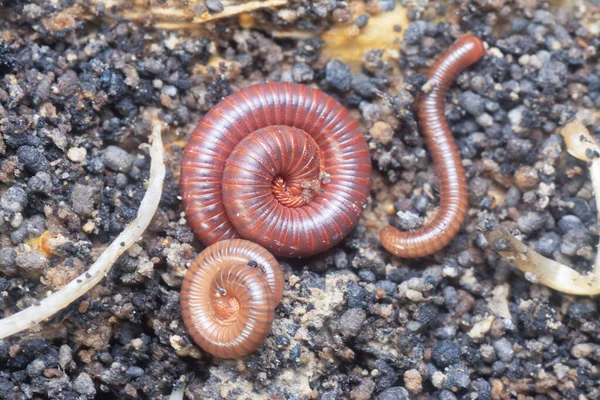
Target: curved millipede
(446,158)
(280,164)
(229,295)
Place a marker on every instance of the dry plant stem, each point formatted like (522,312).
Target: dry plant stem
(172,14)
(538,268)
(86,281)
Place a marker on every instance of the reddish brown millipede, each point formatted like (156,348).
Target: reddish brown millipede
(286,166)
(446,158)
(280,164)
(228,297)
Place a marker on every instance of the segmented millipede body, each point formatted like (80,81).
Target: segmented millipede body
(280,164)
(446,158)
(229,295)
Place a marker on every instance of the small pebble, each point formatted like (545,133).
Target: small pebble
(32,158)
(14,199)
(382,131)
(117,159)
(84,385)
(446,353)
(302,72)
(362,20)
(504,349)
(214,6)
(471,102)
(394,393)
(351,322)
(526,178)
(413,381)
(338,75)
(32,263)
(583,350)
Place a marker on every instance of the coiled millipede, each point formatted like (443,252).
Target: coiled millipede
(284,166)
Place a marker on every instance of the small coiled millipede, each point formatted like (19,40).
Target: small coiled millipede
(280,164)
(446,158)
(229,295)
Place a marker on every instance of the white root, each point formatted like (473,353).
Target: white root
(177,393)
(57,301)
(555,275)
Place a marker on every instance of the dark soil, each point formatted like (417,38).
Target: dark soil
(355,323)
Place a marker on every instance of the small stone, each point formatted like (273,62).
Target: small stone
(84,385)
(575,241)
(356,296)
(415,32)
(504,349)
(32,263)
(526,178)
(547,243)
(214,6)
(413,381)
(351,321)
(437,379)
(169,90)
(426,313)
(364,391)
(14,199)
(472,103)
(583,309)
(446,353)
(457,377)
(65,356)
(531,221)
(8,261)
(338,75)
(394,393)
(117,159)
(135,372)
(367,276)
(488,354)
(388,287)
(32,158)
(68,84)
(41,182)
(362,85)
(582,350)
(386,375)
(302,72)
(362,20)
(35,368)
(84,198)
(340,259)
(552,76)
(382,131)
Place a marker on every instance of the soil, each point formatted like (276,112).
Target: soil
(355,322)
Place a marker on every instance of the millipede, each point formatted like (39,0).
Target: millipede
(281,164)
(228,297)
(286,168)
(445,155)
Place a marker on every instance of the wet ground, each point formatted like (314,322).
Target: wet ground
(355,322)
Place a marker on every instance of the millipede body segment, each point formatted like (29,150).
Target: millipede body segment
(280,164)
(446,158)
(229,295)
